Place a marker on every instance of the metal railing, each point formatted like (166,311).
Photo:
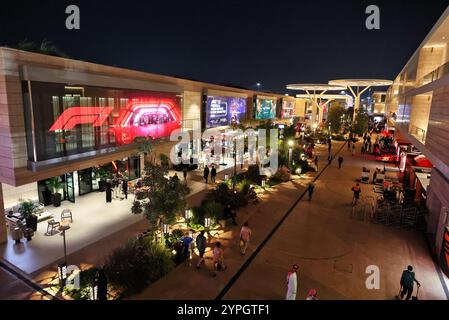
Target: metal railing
(418,133)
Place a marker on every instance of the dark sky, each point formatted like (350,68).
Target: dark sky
(236,42)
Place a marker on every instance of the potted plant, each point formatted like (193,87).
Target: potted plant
(55,184)
(104,176)
(27,208)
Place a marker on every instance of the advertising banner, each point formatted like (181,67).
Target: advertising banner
(288,109)
(265,109)
(223,111)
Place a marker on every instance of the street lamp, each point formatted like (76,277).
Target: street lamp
(63,228)
(62,274)
(263,182)
(290,153)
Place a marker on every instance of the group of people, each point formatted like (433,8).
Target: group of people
(218,258)
(212,172)
(116,188)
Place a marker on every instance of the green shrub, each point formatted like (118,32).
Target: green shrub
(213,209)
(253,174)
(137,264)
(283,174)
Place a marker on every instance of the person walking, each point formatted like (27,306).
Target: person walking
(407,281)
(201,243)
(353,149)
(184,173)
(218,259)
(292,283)
(349,145)
(187,240)
(125,188)
(312,295)
(108,191)
(340,162)
(356,194)
(375,176)
(316,162)
(213,174)
(206,173)
(329,148)
(245,237)
(329,159)
(310,189)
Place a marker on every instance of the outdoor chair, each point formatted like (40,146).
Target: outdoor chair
(409,217)
(66,214)
(394,215)
(52,226)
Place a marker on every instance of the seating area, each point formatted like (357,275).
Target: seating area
(401,215)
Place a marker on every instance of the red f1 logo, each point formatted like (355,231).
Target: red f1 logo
(81,115)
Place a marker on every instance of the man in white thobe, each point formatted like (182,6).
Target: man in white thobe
(292,283)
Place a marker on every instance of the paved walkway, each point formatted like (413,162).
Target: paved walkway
(333,250)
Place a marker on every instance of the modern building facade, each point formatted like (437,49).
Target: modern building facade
(67,118)
(418,105)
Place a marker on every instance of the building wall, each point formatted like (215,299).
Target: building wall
(420,111)
(430,58)
(300,107)
(13,151)
(12,195)
(191,112)
(437,140)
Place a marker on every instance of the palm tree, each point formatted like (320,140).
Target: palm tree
(145,146)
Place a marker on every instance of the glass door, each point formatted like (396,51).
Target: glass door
(85,181)
(69,188)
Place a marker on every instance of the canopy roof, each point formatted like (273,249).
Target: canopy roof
(316,87)
(326,96)
(361,82)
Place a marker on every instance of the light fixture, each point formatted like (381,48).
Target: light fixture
(207,222)
(94,289)
(62,274)
(188,214)
(226,177)
(165,228)
(290,143)
(264,182)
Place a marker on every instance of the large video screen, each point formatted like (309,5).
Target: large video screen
(265,109)
(223,111)
(74,120)
(288,109)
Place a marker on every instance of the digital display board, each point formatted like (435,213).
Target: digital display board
(223,111)
(288,109)
(265,109)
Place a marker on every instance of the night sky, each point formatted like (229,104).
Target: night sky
(232,42)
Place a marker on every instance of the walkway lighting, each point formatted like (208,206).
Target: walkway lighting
(62,274)
(207,222)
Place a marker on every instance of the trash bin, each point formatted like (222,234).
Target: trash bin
(17,234)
